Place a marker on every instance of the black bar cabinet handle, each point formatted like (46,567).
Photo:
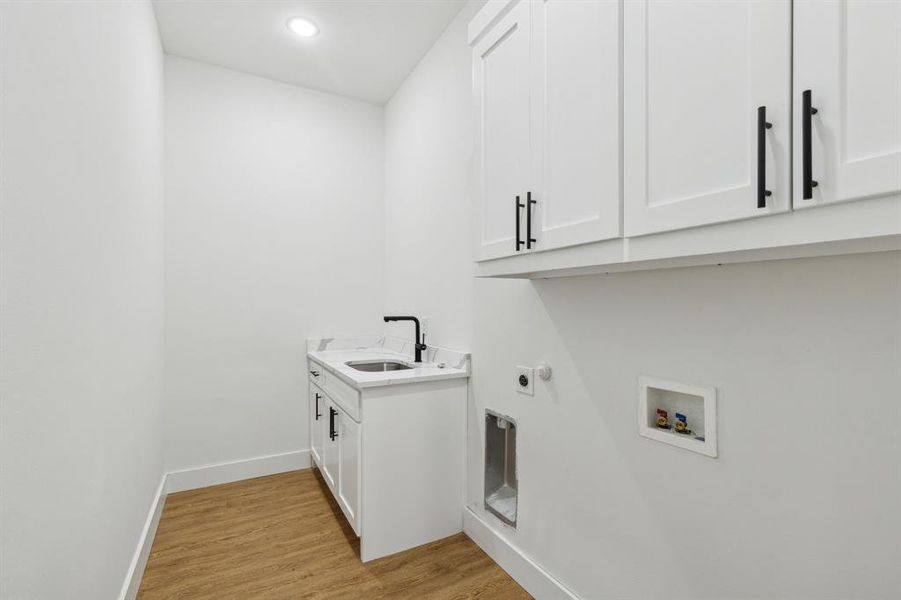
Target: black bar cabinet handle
(762,126)
(807,111)
(519,207)
(318,414)
(314,373)
(332,434)
(529,202)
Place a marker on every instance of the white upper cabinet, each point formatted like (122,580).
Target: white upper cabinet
(575,122)
(616,135)
(848,68)
(547,96)
(696,146)
(501,75)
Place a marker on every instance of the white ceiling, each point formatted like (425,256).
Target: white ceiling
(364,50)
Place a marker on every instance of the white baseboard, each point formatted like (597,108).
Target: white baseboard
(145,541)
(520,567)
(200,477)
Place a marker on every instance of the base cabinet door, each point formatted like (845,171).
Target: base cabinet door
(846,69)
(349,462)
(575,143)
(317,409)
(340,461)
(330,445)
(696,148)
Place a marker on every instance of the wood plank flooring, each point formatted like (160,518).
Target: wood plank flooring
(283,536)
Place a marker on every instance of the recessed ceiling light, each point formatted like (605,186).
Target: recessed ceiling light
(302,27)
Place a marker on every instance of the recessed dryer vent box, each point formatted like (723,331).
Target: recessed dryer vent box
(678,414)
(501,489)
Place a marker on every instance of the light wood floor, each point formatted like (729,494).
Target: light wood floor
(283,536)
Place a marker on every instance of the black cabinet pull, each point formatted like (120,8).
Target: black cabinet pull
(332,434)
(318,414)
(529,202)
(807,111)
(519,207)
(762,126)
(314,373)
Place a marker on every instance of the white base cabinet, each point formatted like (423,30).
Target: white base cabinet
(338,454)
(392,457)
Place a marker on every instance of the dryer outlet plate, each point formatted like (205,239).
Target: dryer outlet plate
(525,375)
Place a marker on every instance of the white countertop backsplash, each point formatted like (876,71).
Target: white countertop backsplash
(333,353)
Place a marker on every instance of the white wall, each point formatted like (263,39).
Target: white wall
(427,225)
(81,301)
(801,503)
(274,233)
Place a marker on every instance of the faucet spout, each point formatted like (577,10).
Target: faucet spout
(418,346)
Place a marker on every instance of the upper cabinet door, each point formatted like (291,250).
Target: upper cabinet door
(501,87)
(695,76)
(848,56)
(575,114)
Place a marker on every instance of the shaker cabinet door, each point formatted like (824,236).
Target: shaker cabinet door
(330,445)
(847,66)
(317,418)
(501,80)
(575,122)
(696,74)
(349,468)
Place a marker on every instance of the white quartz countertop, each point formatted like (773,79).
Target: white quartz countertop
(335,361)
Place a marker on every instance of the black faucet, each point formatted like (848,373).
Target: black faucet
(419,347)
